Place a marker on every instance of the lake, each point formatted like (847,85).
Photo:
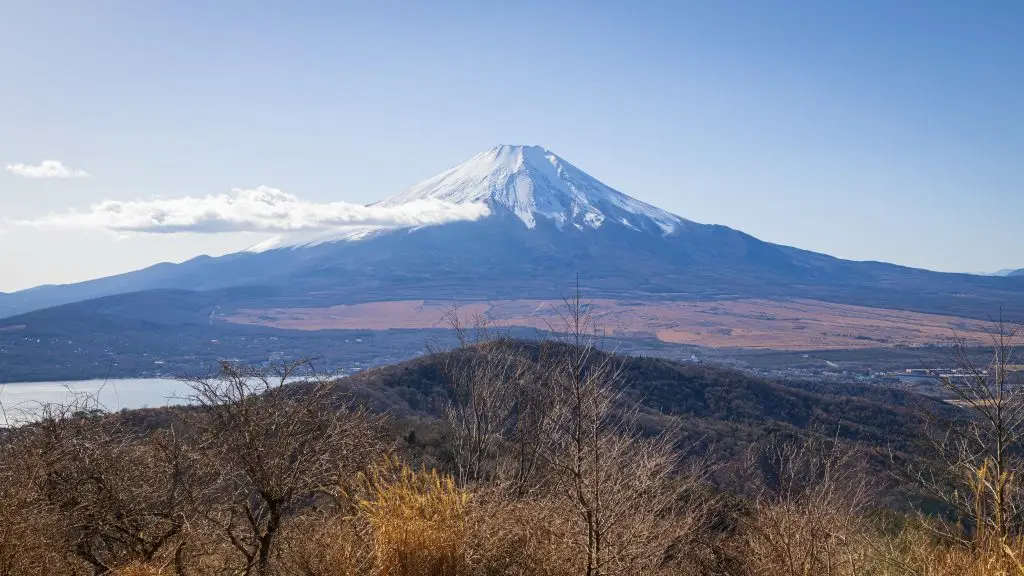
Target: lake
(26,397)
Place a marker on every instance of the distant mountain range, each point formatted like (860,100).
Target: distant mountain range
(547,222)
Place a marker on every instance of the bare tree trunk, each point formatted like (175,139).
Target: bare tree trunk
(619,486)
(979,442)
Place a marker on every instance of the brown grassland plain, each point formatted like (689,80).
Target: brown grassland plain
(780,325)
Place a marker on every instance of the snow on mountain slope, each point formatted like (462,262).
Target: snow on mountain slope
(298,240)
(529,182)
(532,182)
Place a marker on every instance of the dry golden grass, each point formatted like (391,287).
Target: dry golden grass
(519,536)
(917,551)
(138,570)
(326,545)
(417,522)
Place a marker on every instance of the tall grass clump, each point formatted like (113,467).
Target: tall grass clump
(417,522)
(920,549)
(138,570)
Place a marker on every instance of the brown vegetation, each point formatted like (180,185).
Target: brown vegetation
(545,466)
(780,325)
(808,515)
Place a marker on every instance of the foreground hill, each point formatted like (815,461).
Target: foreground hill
(724,407)
(175,479)
(720,409)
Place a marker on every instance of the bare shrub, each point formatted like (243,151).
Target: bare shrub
(808,517)
(31,539)
(485,379)
(625,505)
(978,446)
(123,498)
(275,448)
(517,535)
(325,544)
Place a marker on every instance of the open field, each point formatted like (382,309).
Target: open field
(782,325)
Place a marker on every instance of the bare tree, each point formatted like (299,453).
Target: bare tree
(276,447)
(522,466)
(624,493)
(807,517)
(31,535)
(978,445)
(123,497)
(550,421)
(486,406)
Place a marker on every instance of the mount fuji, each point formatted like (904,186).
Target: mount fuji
(542,222)
(528,182)
(533,184)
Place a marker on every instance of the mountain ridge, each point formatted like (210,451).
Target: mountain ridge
(549,222)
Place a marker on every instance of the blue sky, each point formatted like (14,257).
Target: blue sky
(864,129)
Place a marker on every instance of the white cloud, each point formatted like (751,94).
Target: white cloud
(261,209)
(46,169)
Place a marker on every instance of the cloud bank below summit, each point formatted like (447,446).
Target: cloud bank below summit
(261,209)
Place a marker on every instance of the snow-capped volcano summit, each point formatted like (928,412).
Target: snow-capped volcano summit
(528,183)
(532,182)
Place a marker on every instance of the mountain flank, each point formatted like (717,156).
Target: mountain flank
(547,222)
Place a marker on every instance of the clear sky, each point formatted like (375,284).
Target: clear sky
(864,129)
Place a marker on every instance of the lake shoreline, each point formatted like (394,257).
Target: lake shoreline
(27,398)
